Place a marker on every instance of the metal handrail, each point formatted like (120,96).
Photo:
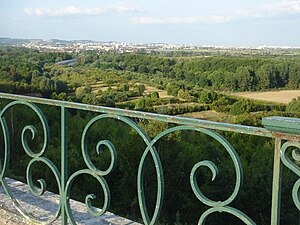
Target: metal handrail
(258,131)
(285,131)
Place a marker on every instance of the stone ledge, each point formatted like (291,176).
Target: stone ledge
(44,207)
(9,218)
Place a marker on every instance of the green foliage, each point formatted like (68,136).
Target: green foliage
(89,99)
(177,109)
(245,79)
(144,104)
(82,91)
(62,96)
(28,71)
(110,102)
(294,76)
(123,87)
(126,75)
(208,97)
(183,94)
(141,88)
(223,104)
(294,105)
(154,95)
(172,89)
(240,107)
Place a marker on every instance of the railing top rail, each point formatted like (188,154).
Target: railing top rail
(144,115)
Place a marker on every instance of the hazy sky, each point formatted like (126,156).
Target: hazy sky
(204,22)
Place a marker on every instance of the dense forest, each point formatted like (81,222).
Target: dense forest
(30,69)
(191,84)
(120,80)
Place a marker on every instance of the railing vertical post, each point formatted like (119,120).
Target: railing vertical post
(64,219)
(276,191)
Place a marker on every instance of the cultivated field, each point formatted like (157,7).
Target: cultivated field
(210,115)
(161,93)
(284,96)
(100,85)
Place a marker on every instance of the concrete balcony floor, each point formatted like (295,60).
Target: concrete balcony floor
(45,206)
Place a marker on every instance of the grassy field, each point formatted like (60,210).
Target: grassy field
(283,96)
(100,85)
(161,93)
(210,115)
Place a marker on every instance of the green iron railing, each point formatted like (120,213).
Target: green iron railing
(284,130)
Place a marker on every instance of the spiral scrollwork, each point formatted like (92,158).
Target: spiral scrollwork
(98,174)
(292,166)
(36,157)
(217,206)
(40,191)
(99,147)
(194,184)
(93,171)
(89,197)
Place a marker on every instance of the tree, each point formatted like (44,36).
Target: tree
(123,87)
(267,77)
(142,69)
(90,99)
(83,90)
(61,96)
(294,76)
(201,79)
(208,97)
(172,89)
(240,107)
(217,79)
(60,86)
(141,88)
(144,104)
(110,102)
(230,82)
(223,104)
(282,74)
(244,79)
(294,105)
(154,95)
(183,94)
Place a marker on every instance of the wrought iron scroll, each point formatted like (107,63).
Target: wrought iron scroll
(289,163)
(93,171)
(99,174)
(220,206)
(64,187)
(35,157)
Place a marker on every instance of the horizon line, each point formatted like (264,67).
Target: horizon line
(166,43)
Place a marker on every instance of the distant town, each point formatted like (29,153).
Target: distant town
(57,45)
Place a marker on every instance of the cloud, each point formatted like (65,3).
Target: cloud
(214,18)
(261,11)
(73,10)
(283,7)
(179,20)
